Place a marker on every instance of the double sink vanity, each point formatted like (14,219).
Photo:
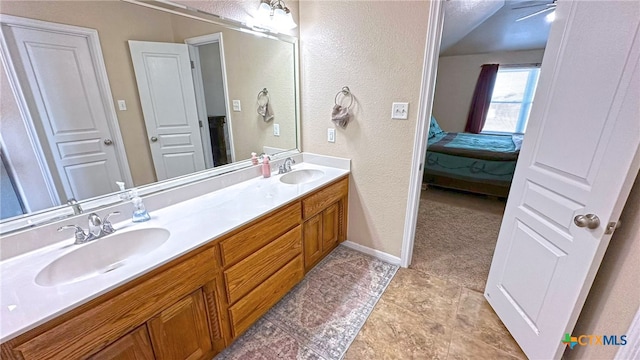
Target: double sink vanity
(183,285)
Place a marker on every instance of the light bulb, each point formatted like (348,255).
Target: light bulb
(279,15)
(264,10)
(550,16)
(288,22)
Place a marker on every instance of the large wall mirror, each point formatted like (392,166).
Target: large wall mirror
(97,92)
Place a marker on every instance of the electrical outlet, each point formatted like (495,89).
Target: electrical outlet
(276,129)
(400,111)
(331,135)
(122,105)
(236,105)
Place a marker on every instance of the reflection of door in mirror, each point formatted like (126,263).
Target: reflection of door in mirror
(68,110)
(165,86)
(180,88)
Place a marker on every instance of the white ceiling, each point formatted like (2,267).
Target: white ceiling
(485,26)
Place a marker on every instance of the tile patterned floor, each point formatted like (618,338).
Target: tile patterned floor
(423,317)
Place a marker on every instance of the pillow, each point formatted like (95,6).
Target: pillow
(434,128)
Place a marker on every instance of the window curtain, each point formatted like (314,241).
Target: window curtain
(481,98)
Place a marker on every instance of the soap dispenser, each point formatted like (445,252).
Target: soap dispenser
(266,167)
(140,213)
(123,193)
(254,158)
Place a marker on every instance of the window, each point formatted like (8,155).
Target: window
(511,100)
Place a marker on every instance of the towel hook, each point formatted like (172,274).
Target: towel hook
(345,92)
(263,93)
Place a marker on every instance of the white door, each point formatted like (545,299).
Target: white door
(58,70)
(580,157)
(165,85)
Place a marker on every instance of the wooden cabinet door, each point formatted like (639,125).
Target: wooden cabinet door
(312,233)
(181,331)
(133,346)
(330,227)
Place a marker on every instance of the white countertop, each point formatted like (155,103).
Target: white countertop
(24,304)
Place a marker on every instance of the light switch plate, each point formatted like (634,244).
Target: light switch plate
(331,135)
(122,105)
(276,129)
(236,105)
(400,111)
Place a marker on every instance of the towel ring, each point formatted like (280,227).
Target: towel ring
(345,92)
(263,94)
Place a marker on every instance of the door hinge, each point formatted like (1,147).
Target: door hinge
(420,167)
(193,65)
(200,122)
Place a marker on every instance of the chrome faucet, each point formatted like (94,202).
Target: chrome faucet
(97,228)
(77,209)
(286,166)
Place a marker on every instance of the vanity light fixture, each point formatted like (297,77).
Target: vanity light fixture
(276,14)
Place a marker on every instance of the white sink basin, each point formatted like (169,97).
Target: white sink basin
(101,256)
(301,176)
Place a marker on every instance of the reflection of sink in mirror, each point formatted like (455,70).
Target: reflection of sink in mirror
(301,176)
(102,132)
(102,256)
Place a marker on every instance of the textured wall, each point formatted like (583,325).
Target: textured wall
(377,49)
(456,81)
(614,297)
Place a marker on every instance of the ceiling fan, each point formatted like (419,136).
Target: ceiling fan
(543,7)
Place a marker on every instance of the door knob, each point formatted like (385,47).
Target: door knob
(108,142)
(154,139)
(591,221)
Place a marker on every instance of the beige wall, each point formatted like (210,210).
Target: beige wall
(456,81)
(377,49)
(614,297)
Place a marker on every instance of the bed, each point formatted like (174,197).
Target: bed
(478,163)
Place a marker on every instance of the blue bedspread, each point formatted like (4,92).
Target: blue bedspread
(488,159)
(476,146)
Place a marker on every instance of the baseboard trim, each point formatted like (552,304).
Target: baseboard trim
(632,350)
(380,255)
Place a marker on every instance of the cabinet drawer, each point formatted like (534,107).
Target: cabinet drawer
(248,273)
(325,197)
(113,318)
(247,241)
(251,307)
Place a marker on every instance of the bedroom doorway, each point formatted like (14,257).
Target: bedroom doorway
(568,191)
(469,166)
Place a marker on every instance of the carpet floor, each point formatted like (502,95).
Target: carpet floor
(456,235)
(322,315)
